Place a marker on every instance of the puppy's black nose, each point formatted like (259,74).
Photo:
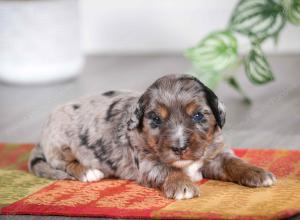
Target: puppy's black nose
(178,149)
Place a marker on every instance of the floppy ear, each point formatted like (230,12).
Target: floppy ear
(222,112)
(217,107)
(137,116)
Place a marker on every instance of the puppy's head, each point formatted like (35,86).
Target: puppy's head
(178,117)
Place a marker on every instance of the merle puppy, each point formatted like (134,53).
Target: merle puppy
(165,138)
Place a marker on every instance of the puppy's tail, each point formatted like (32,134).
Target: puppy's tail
(38,165)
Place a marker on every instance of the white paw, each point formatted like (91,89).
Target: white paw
(193,171)
(269,180)
(92,175)
(180,189)
(257,177)
(187,194)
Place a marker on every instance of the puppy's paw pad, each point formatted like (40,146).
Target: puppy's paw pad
(92,175)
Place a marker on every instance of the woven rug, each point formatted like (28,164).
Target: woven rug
(23,193)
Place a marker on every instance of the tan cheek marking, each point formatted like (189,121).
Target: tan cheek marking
(196,142)
(212,127)
(151,140)
(191,108)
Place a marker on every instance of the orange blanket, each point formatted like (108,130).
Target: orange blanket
(23,193)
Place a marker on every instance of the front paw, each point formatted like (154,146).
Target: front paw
(257,177)
(180,189)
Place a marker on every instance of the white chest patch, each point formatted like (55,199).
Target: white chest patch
(193,171)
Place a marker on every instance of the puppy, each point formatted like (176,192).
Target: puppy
(165,138)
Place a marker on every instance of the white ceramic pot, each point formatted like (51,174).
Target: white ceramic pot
(39,41)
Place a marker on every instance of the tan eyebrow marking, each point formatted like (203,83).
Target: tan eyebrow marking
(163,111)
(191,108)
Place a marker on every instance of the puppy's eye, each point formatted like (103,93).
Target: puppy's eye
(155,119)
(197,117)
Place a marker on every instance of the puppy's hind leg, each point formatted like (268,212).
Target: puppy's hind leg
(38,165)
(80,172)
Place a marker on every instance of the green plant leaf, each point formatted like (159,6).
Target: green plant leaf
(214,53)
(292,10)
(257,67)
(258,18)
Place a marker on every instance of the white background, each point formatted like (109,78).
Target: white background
(161,26)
